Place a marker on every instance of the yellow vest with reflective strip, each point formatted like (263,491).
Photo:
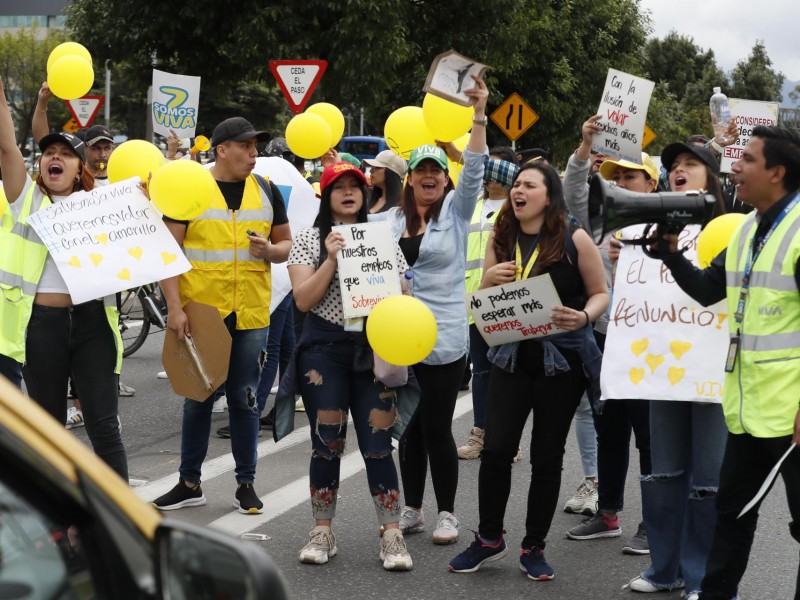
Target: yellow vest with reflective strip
(224,273)
(22,258)
(762,394)
(477,238)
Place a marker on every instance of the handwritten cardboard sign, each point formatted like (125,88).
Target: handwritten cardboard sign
(107,240)
(450,74)
(367,267)
(661,344)
(175,102)
(623,107)
(747,114)
(515,312)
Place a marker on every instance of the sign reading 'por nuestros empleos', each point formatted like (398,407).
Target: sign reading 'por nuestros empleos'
(107,240)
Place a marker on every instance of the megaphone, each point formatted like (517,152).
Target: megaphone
(201,144)
(612,207)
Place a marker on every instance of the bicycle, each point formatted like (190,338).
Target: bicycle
(140,309)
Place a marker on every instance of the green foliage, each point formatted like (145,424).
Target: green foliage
(754,78)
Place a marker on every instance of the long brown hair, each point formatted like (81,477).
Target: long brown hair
(551,237)
(409,206)
(84,182)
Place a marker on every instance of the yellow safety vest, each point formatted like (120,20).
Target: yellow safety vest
(22,258)
(477,238)
(224,273)
(6,220)
(762,393)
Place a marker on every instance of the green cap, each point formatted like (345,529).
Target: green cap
(347,157)
(428,152)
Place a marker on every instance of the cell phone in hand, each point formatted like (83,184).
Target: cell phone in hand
(251,232)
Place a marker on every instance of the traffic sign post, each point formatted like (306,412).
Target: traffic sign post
(84,110)
(514,117)
(298,79)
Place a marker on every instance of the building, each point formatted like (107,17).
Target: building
(24,14)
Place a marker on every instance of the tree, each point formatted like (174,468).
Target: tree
(754,78)
(23,67)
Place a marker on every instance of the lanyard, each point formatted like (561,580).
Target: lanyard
(533,254)
(752,256)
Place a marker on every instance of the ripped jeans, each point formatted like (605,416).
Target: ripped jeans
(687,440)
(330,387)
(248,354)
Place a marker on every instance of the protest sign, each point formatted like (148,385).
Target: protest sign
(450,74)
(747,114)
(175,102)
(367,267)
(661,344)
(107,240)
(515,312)
(623,108)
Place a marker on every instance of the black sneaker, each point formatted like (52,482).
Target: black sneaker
(225,432)
(638,543)
(246,500)
(181,496)
(476,555)
(267,421)
(594,528)
(533,562)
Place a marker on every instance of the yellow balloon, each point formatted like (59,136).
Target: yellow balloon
(405,129)
(134,158)
(715,237)
(308,135)
(446,120)
(182,189)
(333,117)
(454,169)
(67,49)
(70,77)
(401,330)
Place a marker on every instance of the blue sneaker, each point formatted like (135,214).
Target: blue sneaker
(533,562)
(471,559)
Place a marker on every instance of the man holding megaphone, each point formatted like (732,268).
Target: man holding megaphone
(759,274)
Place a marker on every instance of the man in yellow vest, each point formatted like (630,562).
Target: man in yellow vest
(759,273)
(230,247)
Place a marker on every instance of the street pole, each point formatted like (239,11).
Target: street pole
(108,95)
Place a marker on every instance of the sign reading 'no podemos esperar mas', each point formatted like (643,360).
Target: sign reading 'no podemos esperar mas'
(107,240)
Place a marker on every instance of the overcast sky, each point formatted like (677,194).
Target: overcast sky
(731,27)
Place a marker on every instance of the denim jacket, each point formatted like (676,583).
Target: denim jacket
(439,271)
(582,341)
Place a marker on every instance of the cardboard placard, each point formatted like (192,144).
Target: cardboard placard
(747,114)
(175,103)
(450,74)
(196,377)
(515,312)
(367,267)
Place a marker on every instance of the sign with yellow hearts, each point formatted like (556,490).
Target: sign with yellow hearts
(108,240)
(661,344)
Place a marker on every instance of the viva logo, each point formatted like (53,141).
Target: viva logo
(174,114)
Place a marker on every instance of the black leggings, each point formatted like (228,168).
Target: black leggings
(430,435)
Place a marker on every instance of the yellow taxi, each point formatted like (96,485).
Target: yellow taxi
(71,529)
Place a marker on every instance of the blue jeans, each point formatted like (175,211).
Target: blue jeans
(586,436)
(330,387)
(280,345)
(481,367)
(678,500)
(244,369)
(11,370)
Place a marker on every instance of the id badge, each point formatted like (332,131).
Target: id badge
(356,324)
(733,350)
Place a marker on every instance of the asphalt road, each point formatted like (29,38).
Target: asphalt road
(586,570)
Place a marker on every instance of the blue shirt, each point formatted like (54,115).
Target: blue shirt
(439,271)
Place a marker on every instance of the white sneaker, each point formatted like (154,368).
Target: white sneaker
(74,418)
(446,531)
(694,596)
(394,553)
(639,584)
(474,446)
(411,521)
(321,546)
(299,406)
(576,504)
(220,404)
(162,375)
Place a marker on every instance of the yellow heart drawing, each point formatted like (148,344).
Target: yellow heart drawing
(653,361)
(96,258)
(102,238)
(678,349)
(675,374)
(136,252)
(74,262)
(636,375)
(168,258)
(124,274)
(639,346)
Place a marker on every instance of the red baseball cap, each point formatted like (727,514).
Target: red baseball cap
(336,170)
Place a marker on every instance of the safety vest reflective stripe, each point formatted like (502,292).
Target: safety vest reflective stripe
(474,264)
(13,280)
(773,341)
(219,214)
(209,256)
(776,281)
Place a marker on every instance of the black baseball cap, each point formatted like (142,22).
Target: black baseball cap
(74,142)
(237,129)
(97,133)
(671,152)
(532,154)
